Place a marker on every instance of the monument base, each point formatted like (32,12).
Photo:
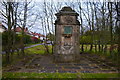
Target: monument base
(66,57)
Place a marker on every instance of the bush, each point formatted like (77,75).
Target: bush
(85,39)
(5,37)
(27,39)
(35,39)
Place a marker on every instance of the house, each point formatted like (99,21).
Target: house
(19,29)
(38,35)
(32,34)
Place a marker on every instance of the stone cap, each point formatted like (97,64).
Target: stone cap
(67,11)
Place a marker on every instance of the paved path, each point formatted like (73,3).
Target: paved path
(45,64)
(33,45)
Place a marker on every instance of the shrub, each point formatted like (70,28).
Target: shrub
(27,39)
(35,39)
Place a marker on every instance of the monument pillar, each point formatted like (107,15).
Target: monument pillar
(67,31)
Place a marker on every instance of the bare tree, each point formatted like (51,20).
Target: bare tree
(92,25)
(23,28)
(8,16)
(23,19)
(117,5)
(81,20)
(111,22)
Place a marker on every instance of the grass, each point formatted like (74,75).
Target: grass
(40,49)
(36,50)
(59,75)
(99,75)
(107,53)
(30,44)
(87,47)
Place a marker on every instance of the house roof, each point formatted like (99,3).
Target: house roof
(18,29)
(37,34)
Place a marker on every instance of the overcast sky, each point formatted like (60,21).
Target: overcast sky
(38,8)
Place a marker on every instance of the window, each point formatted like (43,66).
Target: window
(67,30)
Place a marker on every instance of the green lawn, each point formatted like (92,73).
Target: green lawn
(87,47)
(30,44)
(40,49)
(59,75)
(36,50)
(107,53)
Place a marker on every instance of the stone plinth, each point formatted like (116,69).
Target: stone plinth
(67,32)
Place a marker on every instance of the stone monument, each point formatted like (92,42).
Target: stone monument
(67,30)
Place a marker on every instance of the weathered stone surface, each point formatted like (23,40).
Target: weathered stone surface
(66,48)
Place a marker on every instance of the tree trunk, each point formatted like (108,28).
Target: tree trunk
(92,36)
(95,47)
(111,23)
(91,47)
(82,47)
(15,23)
(9,33)
(99,47)
(102,47)
(105,48)
(23,28)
